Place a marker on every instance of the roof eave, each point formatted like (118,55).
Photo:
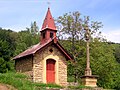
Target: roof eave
(17,57)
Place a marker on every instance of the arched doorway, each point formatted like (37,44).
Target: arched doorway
(50,71)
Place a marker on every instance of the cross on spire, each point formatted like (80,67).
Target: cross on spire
(48,4)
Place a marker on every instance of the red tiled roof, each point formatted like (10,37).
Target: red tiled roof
(32,49)
(48,21)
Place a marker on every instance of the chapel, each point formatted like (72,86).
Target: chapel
(45,62)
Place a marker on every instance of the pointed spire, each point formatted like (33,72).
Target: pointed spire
(48,22)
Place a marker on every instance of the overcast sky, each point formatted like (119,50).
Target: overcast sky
(18,14)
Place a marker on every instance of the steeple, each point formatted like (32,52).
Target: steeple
(48,21)
(48,30)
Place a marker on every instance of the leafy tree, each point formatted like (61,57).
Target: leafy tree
(13,43)
(27,38)
(34,29)
(103,62)
(7,48)
(117,53)
(73,27)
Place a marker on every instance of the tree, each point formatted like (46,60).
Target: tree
(102,59)
(117,53)
(27,38)
(103,63)
(13,43)
(73,27)
(7,48)
(34,29)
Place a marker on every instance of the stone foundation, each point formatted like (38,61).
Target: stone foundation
(89,80)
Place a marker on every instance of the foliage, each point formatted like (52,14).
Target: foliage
(74,28)
(34,29)
(103,63)
(12,43)
(71,26)
(27,38)
(103,56)
(7,48)
(117,53)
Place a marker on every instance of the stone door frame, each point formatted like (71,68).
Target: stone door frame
(55,58)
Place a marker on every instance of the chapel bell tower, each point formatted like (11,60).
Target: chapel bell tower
(48,30)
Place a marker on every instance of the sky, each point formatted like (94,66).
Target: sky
(18,14)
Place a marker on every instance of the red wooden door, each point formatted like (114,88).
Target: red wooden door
(50,71)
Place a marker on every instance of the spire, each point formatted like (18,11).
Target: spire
(48,22)
(48,30)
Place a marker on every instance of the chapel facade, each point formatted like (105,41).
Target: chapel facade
(45,62)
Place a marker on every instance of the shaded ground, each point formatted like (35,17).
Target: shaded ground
(6,87)
(3,87)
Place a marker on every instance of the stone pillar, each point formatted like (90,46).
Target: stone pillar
(88,71)
(88,79)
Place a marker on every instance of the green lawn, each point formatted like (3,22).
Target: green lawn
(20,82)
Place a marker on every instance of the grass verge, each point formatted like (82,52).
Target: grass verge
(20,82)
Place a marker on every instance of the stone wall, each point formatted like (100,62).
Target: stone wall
(24,65)
(62,71)
(38,67)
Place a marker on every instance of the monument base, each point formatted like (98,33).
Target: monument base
(90,81)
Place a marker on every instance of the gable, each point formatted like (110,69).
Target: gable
(40,59)
(38,47)
(51,50)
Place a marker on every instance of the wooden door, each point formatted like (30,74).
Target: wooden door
(50,71)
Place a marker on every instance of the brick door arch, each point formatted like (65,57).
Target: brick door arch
(50,71)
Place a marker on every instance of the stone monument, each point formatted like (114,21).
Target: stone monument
(88,79)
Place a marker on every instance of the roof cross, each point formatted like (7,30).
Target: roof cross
(48,4)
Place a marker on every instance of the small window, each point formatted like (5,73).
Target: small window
(51,35)
(43,35)
(51,50)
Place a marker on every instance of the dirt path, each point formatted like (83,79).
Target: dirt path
(3,87)
(6,87)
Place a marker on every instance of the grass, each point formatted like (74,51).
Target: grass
(71,79)
(20,82)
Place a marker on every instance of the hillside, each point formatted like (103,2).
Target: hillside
(20,82)
(104,58)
